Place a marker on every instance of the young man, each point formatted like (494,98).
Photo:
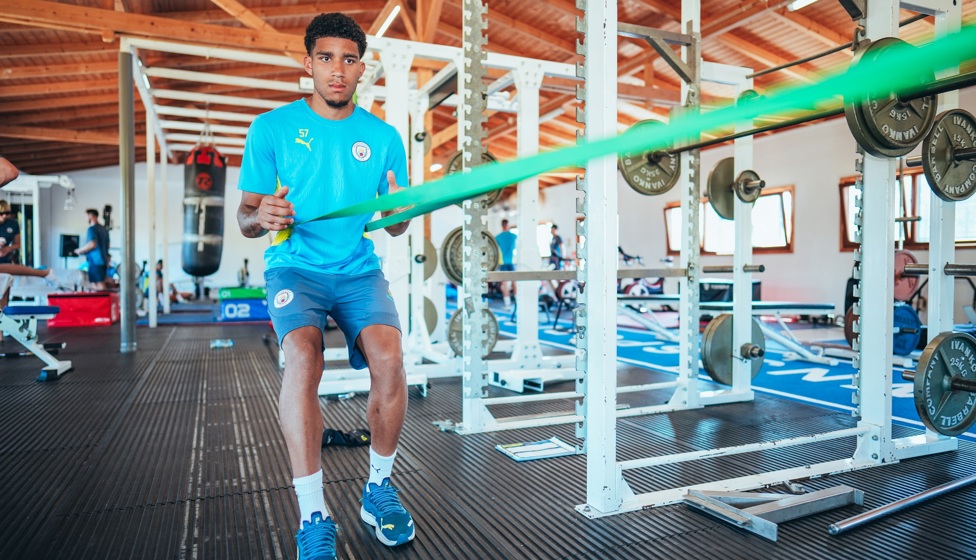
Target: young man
(9,235)
(555,249)
(300,161)
(506,244)
(95,250)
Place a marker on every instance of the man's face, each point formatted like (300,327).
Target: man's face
(335,68)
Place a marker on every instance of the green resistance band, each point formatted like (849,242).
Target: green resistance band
(902,70)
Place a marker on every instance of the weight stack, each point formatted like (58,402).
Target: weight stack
(203,210)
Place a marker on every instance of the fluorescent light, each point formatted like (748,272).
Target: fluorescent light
(389,21)
(797,4)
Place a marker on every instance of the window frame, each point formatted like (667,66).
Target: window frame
(788,235)
(908,207)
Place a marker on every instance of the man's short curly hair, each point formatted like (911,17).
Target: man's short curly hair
(334,25)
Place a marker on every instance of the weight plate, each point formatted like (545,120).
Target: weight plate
(454,166)
(950,179)
(864,116)
(849,319)
(567,290)
(746,195)
(455,331)
(747,96)
(904,285)
(430,315)
(452,253)
(899,125)
(908,329)
(720,194)
(430,259)
(646,174)
(717,353)
(944,410)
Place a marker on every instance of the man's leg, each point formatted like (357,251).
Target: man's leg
(386,409)
(298,402)
(301,424)
(386,406)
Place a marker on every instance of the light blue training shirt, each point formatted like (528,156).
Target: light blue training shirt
(326,165)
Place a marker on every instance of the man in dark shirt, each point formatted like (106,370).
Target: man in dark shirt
(95,250)
(9,235)
(556,250)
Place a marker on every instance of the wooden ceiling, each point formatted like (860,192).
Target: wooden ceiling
(59,63)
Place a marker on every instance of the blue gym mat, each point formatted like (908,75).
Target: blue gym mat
(816,384)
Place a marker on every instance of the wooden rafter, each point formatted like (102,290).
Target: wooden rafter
(65,135)
(94,20)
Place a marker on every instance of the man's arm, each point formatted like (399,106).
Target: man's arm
(395,229)
(258,214)
(8,172)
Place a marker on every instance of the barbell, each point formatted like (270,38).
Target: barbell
(884,124)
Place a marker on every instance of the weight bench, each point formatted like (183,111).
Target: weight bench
(21,322)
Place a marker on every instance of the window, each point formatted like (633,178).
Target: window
(913,214)
(772,225)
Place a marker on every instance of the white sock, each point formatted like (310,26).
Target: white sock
(311,496)
(380,467)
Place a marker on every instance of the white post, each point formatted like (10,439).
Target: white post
(877,275)
(397,63)
(596,315)
(528,79)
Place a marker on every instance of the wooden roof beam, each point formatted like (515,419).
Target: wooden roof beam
(65,135)
(42,13)
(309,9)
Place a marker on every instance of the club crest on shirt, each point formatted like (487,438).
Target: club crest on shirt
(283,298)
(360,151)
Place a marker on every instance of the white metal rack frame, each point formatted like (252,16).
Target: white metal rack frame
(607,491)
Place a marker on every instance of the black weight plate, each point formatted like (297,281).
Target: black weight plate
(717,354)
(720,193)
(455,331)
(857,120)
(949,179)
(649,175)
(942,409)
(895,124)
(454,166)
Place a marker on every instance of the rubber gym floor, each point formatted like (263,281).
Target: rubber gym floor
(174,451)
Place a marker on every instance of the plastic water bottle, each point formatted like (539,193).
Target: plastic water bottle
(221,343)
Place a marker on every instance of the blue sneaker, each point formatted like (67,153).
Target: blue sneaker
(317,539)
(382,509)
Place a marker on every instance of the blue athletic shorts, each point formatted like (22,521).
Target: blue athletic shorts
(97,272)
(506,267)
(301,298)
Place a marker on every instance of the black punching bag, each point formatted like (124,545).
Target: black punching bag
(203,210)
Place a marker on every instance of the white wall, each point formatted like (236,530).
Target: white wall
(813,159)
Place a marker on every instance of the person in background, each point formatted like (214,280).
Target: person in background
(555,249)
(96,251)
(9,235)
(301,160)
(506,244)
(8,172)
